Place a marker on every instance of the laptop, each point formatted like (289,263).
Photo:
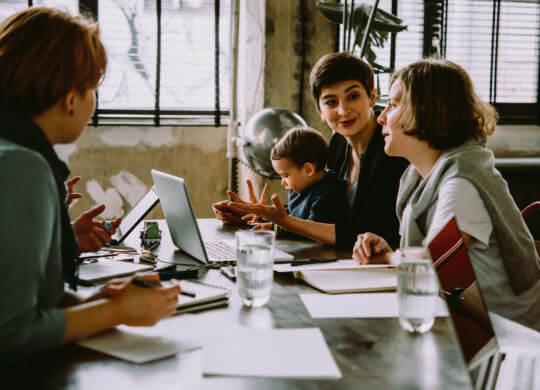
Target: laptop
(134,217)
(184,229)
(500,354)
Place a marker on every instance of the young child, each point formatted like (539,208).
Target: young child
(314,193)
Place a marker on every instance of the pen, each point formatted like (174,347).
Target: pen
(149,284)
(228,274)
(312,261)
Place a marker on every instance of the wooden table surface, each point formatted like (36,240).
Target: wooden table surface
(371,353)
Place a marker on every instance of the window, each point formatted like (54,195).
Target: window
(168,59)
(496,41)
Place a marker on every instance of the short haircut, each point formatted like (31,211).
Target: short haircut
(441,105)
(337,67)
(302,145)
(44,54)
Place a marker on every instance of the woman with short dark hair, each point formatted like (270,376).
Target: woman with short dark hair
(343,90)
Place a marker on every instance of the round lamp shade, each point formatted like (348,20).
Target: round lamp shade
(261,133)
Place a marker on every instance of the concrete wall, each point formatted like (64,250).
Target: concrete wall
(115,163)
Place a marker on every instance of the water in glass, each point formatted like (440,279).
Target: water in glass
(254,267)
(417,294)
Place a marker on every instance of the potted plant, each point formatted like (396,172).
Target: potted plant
(355,18)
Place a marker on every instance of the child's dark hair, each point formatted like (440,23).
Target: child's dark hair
(302,145)
(337,67)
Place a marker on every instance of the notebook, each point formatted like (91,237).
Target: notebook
(104,269)
(339,281)
(183,226)
(491,364)
(206,296)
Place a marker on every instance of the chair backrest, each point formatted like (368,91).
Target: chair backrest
(458,283)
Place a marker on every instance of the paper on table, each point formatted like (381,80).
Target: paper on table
(166,338)
(340,264)
(275,353)
(364,305)
(127,344)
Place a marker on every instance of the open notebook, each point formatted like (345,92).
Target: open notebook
(340,281)
(206,296)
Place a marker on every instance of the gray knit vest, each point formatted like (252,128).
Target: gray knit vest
(474,162)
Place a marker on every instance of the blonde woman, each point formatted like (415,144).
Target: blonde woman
(435,120)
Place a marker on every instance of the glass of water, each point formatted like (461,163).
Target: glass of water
(254,263)
(418,289)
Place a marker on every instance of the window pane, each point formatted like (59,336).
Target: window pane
(517,70)
(128,30)
(71,6)
(469,44)
(188,65)
(409,42)
(9,7)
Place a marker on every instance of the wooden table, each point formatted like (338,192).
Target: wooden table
(371,353)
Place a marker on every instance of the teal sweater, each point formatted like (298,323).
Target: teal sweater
(31,278)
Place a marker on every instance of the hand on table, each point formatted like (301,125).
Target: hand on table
(368,249)
(92,234)
(140,306)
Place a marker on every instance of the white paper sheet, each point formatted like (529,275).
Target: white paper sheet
(340,264)
(166,338)
(275,353)
(362,305)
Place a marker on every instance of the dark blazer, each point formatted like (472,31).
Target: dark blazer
(374,208)
(323,201)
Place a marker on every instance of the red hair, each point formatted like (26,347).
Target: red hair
(44,54)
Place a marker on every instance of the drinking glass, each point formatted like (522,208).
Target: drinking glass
(418,289)
(254,263)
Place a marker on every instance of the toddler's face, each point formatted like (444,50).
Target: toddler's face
(292,178)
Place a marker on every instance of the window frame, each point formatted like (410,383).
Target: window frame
(157,116)
(509,113)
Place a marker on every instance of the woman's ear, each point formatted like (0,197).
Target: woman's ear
(68,102)
(373,97)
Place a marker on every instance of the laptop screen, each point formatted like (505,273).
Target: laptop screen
(465,302)
(136,215)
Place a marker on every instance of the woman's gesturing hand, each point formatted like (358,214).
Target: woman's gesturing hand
(274,212)
(224,213)
(367,246)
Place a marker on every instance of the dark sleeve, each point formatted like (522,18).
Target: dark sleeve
(30,215)
(376,212)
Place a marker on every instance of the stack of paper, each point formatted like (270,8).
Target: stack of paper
(275,353)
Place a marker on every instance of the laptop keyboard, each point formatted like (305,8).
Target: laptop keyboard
(219,251)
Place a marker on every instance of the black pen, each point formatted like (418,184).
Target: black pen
(150,284)
(312,261)
(229,274)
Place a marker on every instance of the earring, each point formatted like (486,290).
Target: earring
(71,112)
